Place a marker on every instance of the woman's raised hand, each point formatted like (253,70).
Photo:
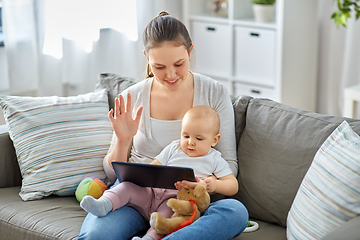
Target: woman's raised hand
(124,125)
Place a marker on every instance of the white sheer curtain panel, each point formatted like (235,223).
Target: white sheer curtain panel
(339,59)
(69,42)
(20,38)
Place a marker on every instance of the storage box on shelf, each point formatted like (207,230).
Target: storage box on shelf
(274,60)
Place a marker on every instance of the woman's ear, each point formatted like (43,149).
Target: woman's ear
(191,48)
(216,139)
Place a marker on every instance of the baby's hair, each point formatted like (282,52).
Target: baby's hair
(165,28)
(205,112)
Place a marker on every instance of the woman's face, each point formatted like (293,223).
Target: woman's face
(169,64)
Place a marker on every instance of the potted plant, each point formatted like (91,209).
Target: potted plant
(344,11)
(263,10)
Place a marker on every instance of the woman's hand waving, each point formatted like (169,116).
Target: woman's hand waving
(124,125)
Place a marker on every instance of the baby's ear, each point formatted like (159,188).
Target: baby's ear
(216,139)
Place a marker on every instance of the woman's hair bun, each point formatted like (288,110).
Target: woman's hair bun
(163,13)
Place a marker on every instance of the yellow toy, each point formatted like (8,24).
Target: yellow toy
(187,208)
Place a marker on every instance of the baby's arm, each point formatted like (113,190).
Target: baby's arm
(156,162)
(227,185)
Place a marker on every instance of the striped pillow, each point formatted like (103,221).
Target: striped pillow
(329,194)
(58,140)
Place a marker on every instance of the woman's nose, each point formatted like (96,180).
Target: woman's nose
(171,74)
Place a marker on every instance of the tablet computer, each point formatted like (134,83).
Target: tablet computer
(149,175)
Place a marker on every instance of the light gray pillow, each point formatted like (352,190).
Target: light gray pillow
(114,84)
(274,153)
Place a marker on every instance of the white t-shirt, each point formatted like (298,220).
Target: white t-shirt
(164,132)
(203,166)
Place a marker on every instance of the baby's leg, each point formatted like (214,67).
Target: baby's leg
(113,199)
(143,238)
(98,207)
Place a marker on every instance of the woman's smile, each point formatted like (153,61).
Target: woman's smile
(173,81)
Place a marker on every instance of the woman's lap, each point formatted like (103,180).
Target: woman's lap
(224,219)
(122,223)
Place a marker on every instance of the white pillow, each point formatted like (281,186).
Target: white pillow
(329,194)
(58,140)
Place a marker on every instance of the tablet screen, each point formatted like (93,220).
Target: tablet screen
(149,175)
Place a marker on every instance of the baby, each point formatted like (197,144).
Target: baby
(199,133)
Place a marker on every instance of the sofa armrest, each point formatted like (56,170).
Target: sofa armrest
(10,175)
(348,231)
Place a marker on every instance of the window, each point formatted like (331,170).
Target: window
(81,21)
(1,31)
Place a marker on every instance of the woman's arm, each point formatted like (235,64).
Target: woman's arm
(125,127)
(227,143)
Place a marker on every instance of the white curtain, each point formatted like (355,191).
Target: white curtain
(71,64)
(21,45)
(339,59)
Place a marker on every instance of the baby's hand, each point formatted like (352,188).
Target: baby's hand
(210,183)
(188,185)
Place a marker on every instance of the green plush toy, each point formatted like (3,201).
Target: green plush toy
(90,186)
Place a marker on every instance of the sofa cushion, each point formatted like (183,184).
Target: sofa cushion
(9,169)
(240,104)
(266,231)
(58,140)
(50,218)
(114,84)
(348,231)
(275,151)
(329,194)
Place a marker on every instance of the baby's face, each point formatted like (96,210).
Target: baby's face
(197,137)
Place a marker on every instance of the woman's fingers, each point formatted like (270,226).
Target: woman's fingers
(110,115)
(138,115)
(128,102)
(122,104)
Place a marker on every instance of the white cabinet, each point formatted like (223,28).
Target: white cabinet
(255,91)
(255,55)
(212,43)
(276,60)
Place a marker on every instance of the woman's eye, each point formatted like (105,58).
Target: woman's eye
(159,67)
(178,65)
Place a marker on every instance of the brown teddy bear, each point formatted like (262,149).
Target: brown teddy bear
(187,208)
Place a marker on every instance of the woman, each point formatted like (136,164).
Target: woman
(158,105)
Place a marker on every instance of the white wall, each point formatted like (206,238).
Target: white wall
(4,78)
(4,83)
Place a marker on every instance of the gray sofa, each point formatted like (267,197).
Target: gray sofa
(276,145)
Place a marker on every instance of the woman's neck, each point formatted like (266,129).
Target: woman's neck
(171,105)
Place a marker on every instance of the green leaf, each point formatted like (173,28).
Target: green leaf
(342,20)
